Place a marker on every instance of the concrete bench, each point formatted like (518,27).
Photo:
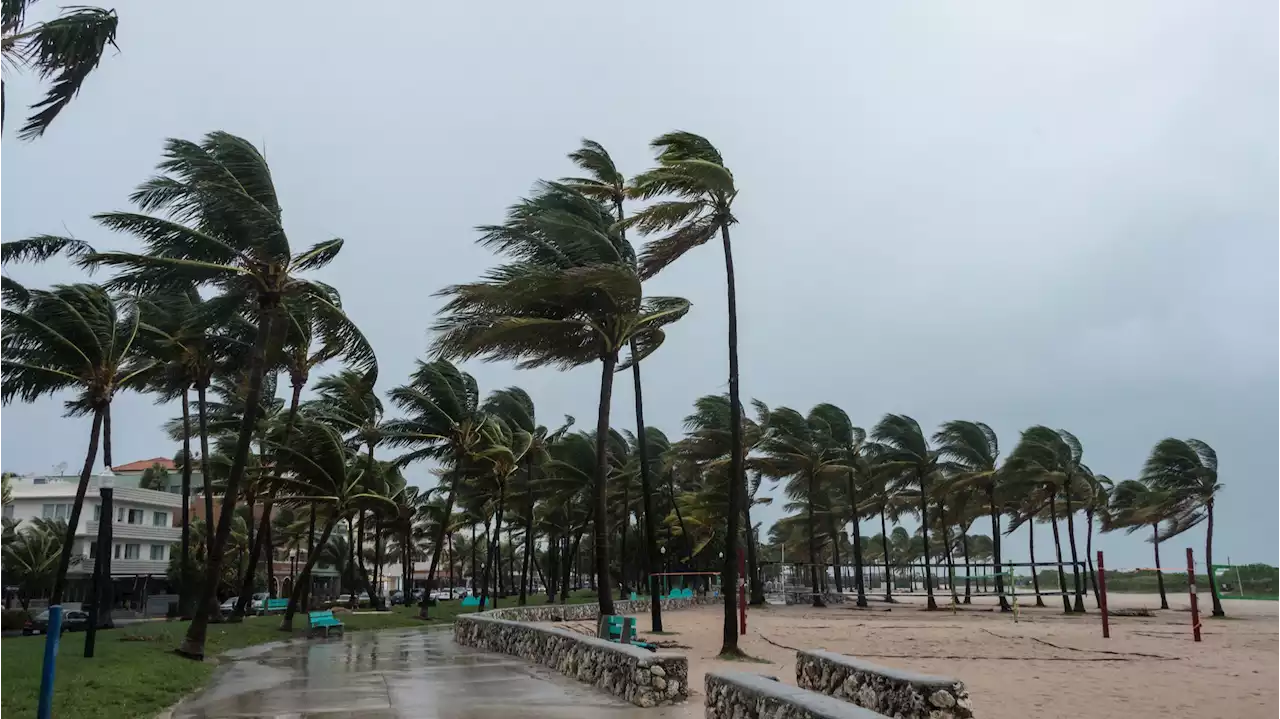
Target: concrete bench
(740,695)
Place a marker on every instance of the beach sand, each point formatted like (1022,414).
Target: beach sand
(1046,665)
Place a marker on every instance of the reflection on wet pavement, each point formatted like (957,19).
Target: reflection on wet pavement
(398,673)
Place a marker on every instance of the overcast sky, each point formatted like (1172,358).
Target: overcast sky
(1039,213)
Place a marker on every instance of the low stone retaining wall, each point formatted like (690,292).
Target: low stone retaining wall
(579,612)
(739,695)
(895,693)
(637,675)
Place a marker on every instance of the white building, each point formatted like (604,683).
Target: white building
(145,525)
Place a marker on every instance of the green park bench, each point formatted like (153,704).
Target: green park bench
(274,605)
(622,630)
(322,622)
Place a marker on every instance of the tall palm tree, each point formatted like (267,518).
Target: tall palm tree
(603,182)
(64,50)
(571,297)
(1054,458)
(970,452)
(317,467)
(72,338)
(1189,470)
(502,454)
(801,449)
(220,225)
(1135,505)
(849,442)
(904,458)
(692,170)
(443,423)
(1096,502)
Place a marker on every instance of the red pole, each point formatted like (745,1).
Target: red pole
(1102,596)
(742,593)
(1195,605)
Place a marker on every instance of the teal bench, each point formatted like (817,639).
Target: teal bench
(274,605)
(614,626)
(322,622)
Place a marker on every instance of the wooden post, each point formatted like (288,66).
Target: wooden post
(1195,605)
(1102,596)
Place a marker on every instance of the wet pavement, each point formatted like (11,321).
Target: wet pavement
(395,673)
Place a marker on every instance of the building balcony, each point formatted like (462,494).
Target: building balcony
(123,567)
(120,531)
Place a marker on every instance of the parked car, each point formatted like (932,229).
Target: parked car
(344,600)
(72,621)
(259,600)
(228,606)
(397,597)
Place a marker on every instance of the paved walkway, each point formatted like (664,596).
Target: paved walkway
(396,673)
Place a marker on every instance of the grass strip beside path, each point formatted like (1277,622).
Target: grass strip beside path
(134,672)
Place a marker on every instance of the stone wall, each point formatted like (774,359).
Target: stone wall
(637,675)
(891,692)
(739,695)
(580,612)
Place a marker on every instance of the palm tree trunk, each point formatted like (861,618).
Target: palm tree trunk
(202,416)
(69,541)
(247,584)
(193,645)
(304,579)
(754,584)
(836,567)
(737,480)
(528,534)
(1088,557)
(1075,558)
(995,547)
(1035,574)
(924,527)
(494,548)
(1164,600)
(884,544)
(377,559)
(473,558)
(813,548)
(964,543)
(184,594)
(684,532)
(622,544)
(604,586)
(857,544)
(1208,562)
(552,577)
(311,549)
(571,559)
(438,543)
(106,437)
(946,548)
(1057,547)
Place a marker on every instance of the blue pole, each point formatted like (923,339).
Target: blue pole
(51,640)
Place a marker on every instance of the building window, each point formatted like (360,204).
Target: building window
(97,512)
(157,552)
(120,514)
(93,550)
(132,551)
(117,550)
(160,519)
(55,511)
(135,516)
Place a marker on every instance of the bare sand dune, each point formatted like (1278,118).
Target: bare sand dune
(1045,665)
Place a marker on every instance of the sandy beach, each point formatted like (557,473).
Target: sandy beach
(1046,665)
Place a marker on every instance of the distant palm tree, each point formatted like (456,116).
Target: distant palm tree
(903,456)
(571,297)
(1188,469)
(72,338)
(223,228)
(32,555)
(65,50)
(970,452)
(1135,504)
(692,169)
(849,441)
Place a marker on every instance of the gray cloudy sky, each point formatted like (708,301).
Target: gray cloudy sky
(1007,211)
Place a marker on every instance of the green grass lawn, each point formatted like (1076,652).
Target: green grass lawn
(135,673)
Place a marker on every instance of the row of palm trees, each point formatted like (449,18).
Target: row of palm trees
(218,302)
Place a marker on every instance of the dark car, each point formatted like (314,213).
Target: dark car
(72,621)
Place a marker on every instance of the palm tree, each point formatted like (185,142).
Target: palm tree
(904,458)
(606,184)
(318,468)
(1136,504)
(223,228)
(571,297)
(849,442)
(1054,459)
(1097,501)
(72,338)
(802,450)
(1188,469)
(692,169)
(444,424)
(32,556)
(501,453)
(970,452)
(64,50)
